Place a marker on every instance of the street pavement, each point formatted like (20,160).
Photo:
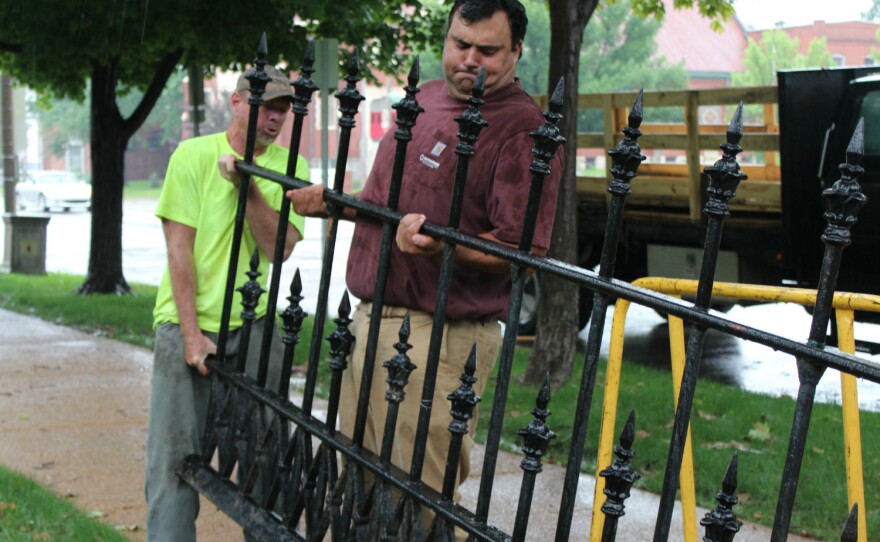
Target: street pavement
(73,415)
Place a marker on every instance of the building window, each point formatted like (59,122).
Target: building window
(75,156)
(869,61)
(838,60)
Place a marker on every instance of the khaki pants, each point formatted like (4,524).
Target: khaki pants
(458,338)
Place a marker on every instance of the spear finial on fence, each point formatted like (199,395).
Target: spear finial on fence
(251,290)
(620,475)
(479,85)
(725,175)
(845,198)
(471,122)
(304,87)
(537,436)
(547,137)
(294,314)
(557,99)
(399,366)
(464,399)
(257,76)
(721,523)
(850,531)
(619,479)
(408,108)
(341,339)
(349,97)
(627,155)
(636,114)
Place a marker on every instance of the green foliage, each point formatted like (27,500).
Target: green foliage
(618,54)
(875,54)
(132,37)
(532,66)
(873,12)
(164,123)
(779,51)
(717,11)
(62,120)
(66,119)
(30,512)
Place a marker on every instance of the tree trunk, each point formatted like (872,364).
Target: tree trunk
(109,139)
(108,142)
(556,337)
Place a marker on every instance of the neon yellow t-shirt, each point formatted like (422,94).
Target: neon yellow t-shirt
(194,194)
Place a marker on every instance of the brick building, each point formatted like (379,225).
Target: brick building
(849,43)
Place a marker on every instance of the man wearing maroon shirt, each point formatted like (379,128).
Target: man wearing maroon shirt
(485,33)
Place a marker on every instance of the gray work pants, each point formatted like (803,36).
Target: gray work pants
(179,399)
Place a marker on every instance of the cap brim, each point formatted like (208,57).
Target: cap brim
(273,94)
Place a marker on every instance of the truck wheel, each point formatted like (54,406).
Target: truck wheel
(528,316)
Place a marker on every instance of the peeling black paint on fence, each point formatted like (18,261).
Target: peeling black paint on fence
(304,494)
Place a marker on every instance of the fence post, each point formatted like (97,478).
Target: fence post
(724,177)
(408,110)
(536,438)
(626,158)
(842,203)
(399,367)
(258,80)
(304,87)
(349,100)
(470,122)
(547,142)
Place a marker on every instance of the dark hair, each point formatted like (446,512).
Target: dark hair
(477,10)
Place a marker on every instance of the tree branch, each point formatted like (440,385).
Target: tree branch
(166,67)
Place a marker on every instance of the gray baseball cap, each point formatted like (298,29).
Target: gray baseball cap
(277,87)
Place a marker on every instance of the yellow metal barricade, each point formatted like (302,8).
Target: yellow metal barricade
(844,304)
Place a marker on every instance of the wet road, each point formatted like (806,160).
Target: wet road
(747,365)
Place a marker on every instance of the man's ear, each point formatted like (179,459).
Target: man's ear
(518,49)
(235,98)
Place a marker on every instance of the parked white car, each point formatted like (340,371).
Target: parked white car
(46,189)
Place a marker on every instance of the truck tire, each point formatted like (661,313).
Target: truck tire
(528,316)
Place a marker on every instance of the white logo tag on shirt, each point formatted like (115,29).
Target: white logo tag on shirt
(433,164)
(438,148)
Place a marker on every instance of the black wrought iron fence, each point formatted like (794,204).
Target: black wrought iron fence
(300,479)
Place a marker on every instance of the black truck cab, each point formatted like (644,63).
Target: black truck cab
(818,113)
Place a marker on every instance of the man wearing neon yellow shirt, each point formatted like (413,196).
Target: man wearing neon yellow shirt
(197,208)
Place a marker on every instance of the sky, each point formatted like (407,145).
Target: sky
(764,14)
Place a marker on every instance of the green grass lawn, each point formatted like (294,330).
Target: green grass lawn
(142,188)
(725,419)
(30,512)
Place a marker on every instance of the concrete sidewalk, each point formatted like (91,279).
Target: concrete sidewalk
(74,417)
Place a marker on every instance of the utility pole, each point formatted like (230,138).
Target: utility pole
(24,243)
(6,121)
